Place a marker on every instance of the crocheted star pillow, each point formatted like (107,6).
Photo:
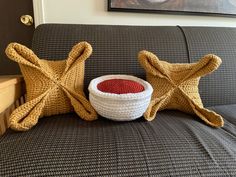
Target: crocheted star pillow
(176,86)
(52,87)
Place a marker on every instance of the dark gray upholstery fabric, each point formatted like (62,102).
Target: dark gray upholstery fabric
(115,48)
(219,87)
(174,144)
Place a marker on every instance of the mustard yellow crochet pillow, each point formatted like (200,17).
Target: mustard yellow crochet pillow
(52,87)
(176,86)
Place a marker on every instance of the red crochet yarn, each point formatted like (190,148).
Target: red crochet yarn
(120,86)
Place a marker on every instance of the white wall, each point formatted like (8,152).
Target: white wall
(95,12)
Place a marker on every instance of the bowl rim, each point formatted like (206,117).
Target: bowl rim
(126,96)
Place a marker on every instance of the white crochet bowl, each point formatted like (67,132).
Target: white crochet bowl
(120,107)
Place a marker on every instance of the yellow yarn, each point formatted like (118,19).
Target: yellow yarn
(53,87)
(176,86)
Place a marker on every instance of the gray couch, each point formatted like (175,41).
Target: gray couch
(173,144)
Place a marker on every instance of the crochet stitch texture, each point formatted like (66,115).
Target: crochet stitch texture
(176,86)
(53,87)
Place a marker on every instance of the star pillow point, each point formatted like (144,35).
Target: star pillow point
(176,86)
(53,86)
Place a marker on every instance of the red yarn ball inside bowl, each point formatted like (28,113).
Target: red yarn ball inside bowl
(120,86)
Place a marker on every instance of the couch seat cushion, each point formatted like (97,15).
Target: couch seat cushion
(174,144)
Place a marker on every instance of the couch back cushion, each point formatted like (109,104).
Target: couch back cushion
(115,50)
(219,87)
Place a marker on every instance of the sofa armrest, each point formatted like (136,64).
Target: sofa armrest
(12,90)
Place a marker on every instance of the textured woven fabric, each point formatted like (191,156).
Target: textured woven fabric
(219,87)
(120,86)
(172,145)
(53,87)
(176,86)
(115,48)
(118,46)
